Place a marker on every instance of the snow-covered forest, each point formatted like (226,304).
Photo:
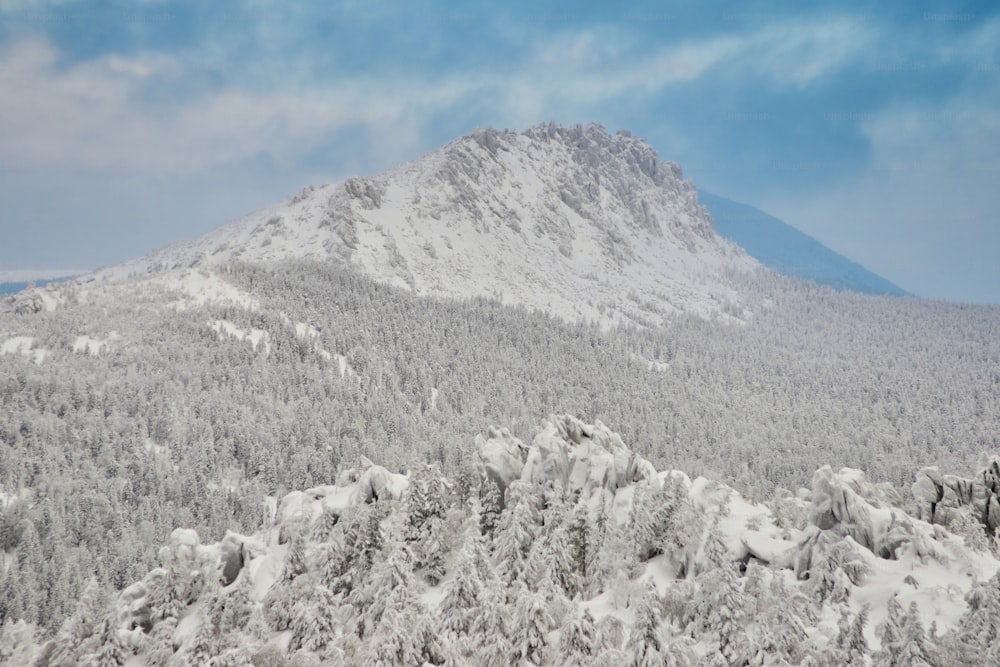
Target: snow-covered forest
(199,400)
(572,550)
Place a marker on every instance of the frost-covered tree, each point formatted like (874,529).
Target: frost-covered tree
(110,651)
(491,631)
(492,506)
(915,648)
(529,627)
(837,566)
(975,636)
(890,635)
(577,639)
(645,643)
(719,604)
(462,602)
(403,634)
(516,531)
(783,616)
(80,626)
(425,521)
(370,599)
(315,623)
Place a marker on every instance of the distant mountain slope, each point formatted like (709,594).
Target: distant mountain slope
(19,285)
(14,280)
(789,251)
(572,221)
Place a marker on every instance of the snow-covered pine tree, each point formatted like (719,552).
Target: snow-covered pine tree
(492,506)
(977,634)
(530,626)
(425,510)
(315,622)
(516,531)
(391,641)
(577,640)
(369,600)
(208,641)
(837,566)
(783,616)
(491,630)
(461,604)
(851,639)
(578,533)
(80,626)
(652,511)
(719,602)
(110,651)
(645,643)
(890,635)
(240,606)
(915,649)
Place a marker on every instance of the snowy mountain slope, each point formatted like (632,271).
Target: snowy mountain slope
(650,568)
(571,221)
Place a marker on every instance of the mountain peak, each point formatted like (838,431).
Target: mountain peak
(574,221)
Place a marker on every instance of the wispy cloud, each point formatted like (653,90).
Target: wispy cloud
(94,114)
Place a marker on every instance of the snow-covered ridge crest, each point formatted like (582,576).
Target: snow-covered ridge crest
(570,220)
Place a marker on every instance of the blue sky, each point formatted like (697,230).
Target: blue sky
(127,126)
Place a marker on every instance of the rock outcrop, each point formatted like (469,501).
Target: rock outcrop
(579,457)
(941,498)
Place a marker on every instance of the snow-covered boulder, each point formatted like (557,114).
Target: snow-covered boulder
(500,457)
(371,483)
(377,483)
(293,509)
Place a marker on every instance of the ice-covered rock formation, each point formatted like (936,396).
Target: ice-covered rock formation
(846,504)
(369,483)
(940,498)
(580,457)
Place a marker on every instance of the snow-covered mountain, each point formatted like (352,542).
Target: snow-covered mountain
(573,221)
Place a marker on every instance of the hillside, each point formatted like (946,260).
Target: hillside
(196,399)
(781,247)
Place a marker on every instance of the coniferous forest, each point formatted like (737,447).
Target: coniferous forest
(131,411)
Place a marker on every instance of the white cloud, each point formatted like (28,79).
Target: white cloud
(92,115)
(587,67)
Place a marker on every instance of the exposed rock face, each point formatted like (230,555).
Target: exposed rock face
(941,498)
(232,555)
(580,457)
